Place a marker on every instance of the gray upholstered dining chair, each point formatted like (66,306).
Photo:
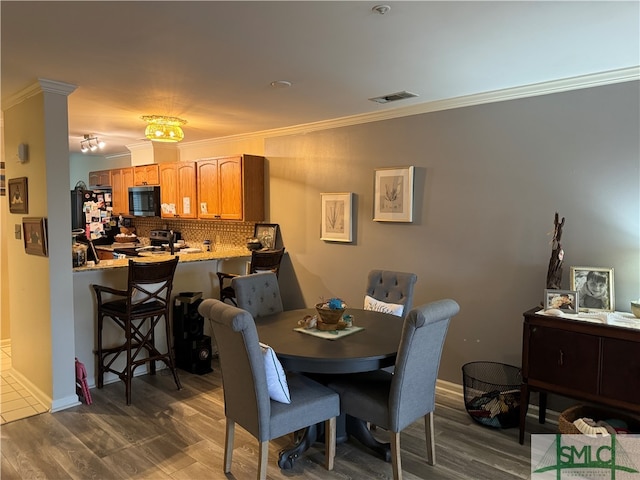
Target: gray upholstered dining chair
(390,289)
(258,293)
(247,400)
(394,401)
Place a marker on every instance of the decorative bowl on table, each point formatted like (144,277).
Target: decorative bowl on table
(331,311)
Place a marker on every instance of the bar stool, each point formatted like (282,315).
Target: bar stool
(137,311)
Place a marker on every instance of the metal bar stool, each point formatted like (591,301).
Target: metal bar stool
(148,297)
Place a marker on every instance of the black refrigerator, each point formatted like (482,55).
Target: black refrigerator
(91,211)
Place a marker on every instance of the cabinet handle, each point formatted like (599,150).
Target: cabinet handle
(561,358)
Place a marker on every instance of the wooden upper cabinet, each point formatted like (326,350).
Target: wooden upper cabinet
(121,179)
(146,174)
(178,190)
(231,188)
(100,178)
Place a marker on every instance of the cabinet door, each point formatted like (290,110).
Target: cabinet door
(168,189)
(621,370)
(564,358)
(230,181)
(101,178)
(121,179)
(186,186)
(147,174)
(208,189)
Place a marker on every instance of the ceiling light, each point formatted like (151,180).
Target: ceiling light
(91,143)
(280,84)
(163,129)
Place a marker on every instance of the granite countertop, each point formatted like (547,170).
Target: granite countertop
(231,252)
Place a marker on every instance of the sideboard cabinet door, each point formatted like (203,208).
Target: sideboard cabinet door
(564,358)
(621,370)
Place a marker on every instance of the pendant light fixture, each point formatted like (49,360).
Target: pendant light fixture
(91,144)
(163,129)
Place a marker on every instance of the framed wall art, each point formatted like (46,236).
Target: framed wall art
(595,288)
(337,219)
(267,233)
(565,300)
(18,195)
(35,235)
(393,195)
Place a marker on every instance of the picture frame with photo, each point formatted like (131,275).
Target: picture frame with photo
(337,217)
(267,233)
(595,288)
(393,194)
(34,231)
(563,300)
(18,195)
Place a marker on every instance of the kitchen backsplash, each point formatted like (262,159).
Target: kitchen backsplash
(221,234)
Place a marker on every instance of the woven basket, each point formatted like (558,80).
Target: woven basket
(567,417)
(125,238)
(328,315)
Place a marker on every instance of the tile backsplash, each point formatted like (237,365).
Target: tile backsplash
(194,233)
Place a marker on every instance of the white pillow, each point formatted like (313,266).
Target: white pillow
(371,303)
(276,378)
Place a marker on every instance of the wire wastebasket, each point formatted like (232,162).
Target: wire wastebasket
(492,393)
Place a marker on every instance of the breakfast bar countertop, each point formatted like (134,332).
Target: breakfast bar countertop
(221,254)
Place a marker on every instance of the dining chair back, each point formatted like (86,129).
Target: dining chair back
(247,401)
(258,294)
(395,288)
(394,401)
(261,261)
(137,310)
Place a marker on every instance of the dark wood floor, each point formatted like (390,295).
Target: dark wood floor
(170,434)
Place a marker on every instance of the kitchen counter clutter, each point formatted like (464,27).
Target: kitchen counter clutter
(222,254)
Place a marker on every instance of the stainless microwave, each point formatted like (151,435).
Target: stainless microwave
(144,201)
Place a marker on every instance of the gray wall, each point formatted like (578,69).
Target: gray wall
(488,181)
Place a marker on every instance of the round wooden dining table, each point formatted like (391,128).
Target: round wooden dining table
(366,350)
(372,348)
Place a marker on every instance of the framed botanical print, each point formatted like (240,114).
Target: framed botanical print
(393,195)
(337,218)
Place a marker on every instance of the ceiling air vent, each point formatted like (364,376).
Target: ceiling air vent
(392,97)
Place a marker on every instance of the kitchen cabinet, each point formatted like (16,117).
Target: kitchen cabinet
(121,180)
(101,178)
(146,174)
(231,188)
(178,190)
(589,361)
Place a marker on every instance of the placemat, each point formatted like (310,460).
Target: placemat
(329,334)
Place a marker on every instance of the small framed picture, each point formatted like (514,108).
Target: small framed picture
(267,233)
(595,288)
(337,224)
(393,195)
(35,235)
(18,195)
(565,300)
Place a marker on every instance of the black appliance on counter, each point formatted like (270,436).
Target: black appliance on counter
(192,347)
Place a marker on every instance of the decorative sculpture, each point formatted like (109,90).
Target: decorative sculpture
(554,274)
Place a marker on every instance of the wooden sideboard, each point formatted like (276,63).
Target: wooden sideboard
(588,361)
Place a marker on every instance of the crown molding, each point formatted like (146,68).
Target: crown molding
(42,85)
(537,89)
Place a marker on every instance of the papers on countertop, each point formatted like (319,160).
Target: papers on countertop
(618,319)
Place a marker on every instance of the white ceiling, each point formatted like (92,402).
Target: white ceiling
(212,62)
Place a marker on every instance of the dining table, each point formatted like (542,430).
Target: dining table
(371,343)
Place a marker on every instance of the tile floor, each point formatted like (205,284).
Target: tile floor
(16,401)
